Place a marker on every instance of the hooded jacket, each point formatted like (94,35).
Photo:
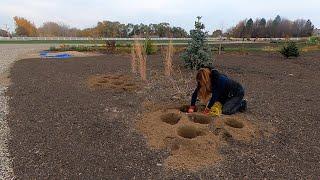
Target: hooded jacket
(223,88)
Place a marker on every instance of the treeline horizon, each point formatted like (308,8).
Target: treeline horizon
(273,28)
(260,28)
(103,29)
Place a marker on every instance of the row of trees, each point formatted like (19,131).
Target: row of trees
(102,29)
(116,29)
(273,28)
(278,27)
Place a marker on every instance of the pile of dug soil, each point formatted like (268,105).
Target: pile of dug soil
(112,82)
(194,139)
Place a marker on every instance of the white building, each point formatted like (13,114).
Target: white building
(3,33)
(316,32)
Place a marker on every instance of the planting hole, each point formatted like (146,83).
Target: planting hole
(234,123)
(189,132)
(184,108)
(171,118)
(201,119)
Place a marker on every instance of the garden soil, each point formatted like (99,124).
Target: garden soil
(62,128)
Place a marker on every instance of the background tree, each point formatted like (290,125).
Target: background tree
(198,53)
(217,33)
(239,30)
(178,32)
(249,28)
(274,27)
(52,29)
(24,27)
(261,29)
(308,28)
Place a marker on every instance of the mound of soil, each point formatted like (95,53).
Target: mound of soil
(239,127)
(112,82)
(200,118)
(189,137)
(171,118)
(189,132)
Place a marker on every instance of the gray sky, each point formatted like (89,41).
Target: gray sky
(216,13)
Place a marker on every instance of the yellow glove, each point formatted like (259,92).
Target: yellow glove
(216,109)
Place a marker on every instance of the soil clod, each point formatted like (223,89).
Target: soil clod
(226,136)
(234,123)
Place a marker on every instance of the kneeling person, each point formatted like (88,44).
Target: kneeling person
(221,88)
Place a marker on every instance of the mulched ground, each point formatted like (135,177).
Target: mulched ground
(62,129)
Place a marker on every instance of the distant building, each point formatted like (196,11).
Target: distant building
(3,33)
(316,32)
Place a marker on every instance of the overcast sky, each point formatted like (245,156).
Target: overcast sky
(216,13)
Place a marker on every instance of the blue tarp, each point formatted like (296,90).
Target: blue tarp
(45,54)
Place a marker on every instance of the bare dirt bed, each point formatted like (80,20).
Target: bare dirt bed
(62,128)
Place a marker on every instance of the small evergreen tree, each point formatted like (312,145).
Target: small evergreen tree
(198,53)
(290,50)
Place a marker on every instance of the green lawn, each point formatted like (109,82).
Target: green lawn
(79,42)
(181,43)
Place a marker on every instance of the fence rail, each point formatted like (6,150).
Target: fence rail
(139,39)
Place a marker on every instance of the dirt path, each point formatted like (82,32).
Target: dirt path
(63,129)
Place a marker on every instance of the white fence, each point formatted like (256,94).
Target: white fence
(132,39)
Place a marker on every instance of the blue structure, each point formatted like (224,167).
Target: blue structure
(44,54)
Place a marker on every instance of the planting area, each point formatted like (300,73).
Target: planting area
(91,118)
(194,140)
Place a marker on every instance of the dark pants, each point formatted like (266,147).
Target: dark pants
(233,102)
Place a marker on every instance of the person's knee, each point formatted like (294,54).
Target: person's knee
(227,111)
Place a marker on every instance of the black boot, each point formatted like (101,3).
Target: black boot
(243,106)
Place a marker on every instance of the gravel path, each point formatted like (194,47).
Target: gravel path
(9,54)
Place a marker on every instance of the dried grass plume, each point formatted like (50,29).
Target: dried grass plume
(140,59)
(133,61)
(168,59)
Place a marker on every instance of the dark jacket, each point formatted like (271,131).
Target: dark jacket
(222,89)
